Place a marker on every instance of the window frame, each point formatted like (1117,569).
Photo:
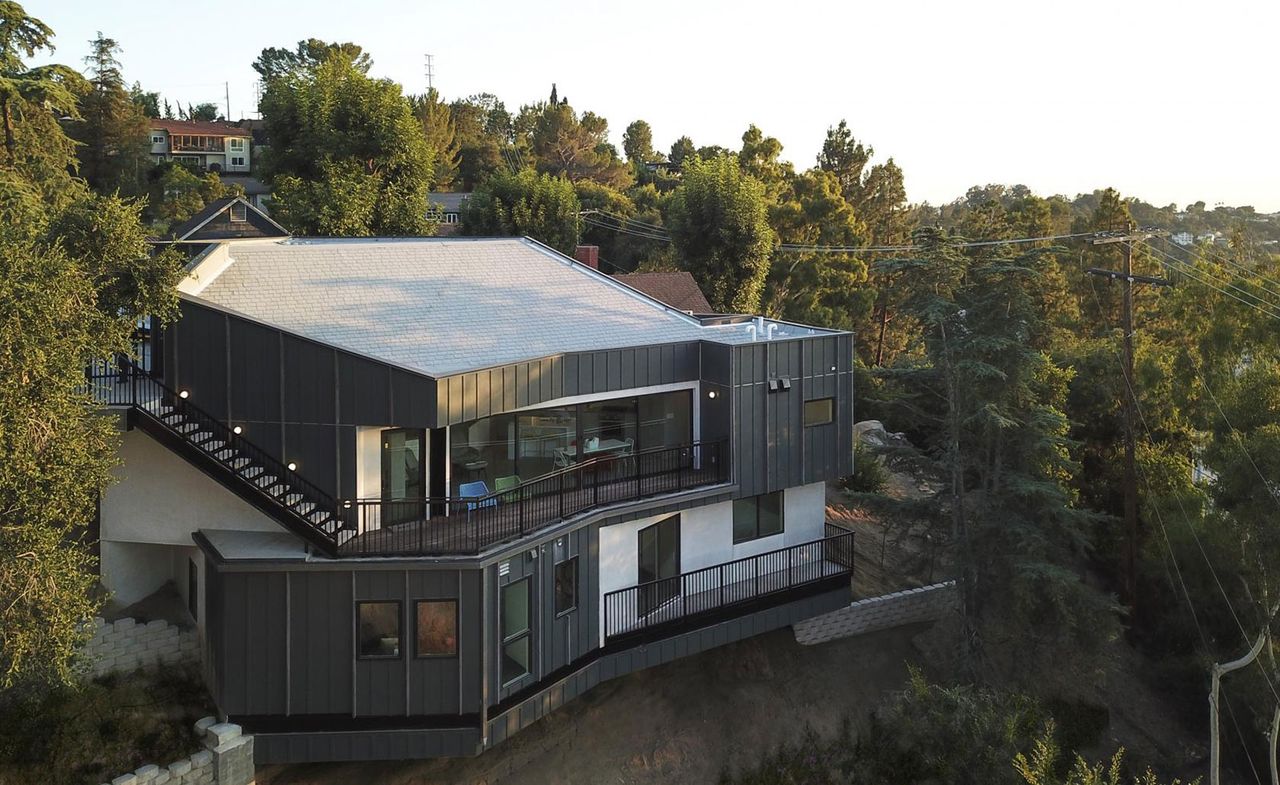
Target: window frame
(235,145)
(829,413)
(417,638)
(556,584)
(755,505)
(525,635)
(157,139)
(244,213)
(399,630)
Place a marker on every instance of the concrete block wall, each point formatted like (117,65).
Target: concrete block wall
(227,759)
(126,645)
(927,603)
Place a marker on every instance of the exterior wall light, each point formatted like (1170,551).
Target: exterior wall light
(293,467)
(184,394)
(236,430)
(713,394)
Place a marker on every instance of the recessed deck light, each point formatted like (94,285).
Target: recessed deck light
(712,394)
(184,394)
(236,430)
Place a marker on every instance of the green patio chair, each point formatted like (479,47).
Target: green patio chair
(505,484)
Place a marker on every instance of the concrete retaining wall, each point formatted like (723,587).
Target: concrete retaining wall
(126,645)
(928,603)
(227,759)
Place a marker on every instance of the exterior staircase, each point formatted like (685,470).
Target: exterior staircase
(224,455)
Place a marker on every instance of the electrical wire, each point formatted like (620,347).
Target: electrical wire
(1199,275)
(1243,268)
(1211,252)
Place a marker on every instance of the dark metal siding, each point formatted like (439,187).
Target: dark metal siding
(773,449)
(253,643)
(320,632)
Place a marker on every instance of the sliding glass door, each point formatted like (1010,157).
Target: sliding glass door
(659,573)
(403,475)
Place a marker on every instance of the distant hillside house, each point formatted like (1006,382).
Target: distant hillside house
(256,192)
(1183,238)
(209,147)
(450,206)
(677,289)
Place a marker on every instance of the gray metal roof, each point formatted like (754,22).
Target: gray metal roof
(446,305)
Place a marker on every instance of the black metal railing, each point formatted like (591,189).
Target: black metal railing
(408,527)
(691,596)
(122,383)
(430,526)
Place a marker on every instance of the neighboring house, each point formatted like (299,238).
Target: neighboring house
(231,217)
(1183,238)
(207,146)
(256,192)
(418,493)
(677,289)
(450,206)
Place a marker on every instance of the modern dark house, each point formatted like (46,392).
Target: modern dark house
(418,493)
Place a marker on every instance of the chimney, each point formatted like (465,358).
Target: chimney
(588,255)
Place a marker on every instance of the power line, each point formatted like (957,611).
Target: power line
(1199,275)
(1226,260)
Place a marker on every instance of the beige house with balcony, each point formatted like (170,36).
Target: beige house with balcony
(208,146)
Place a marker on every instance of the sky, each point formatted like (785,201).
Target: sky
(1172,101)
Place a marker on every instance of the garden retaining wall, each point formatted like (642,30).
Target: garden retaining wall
(927,603)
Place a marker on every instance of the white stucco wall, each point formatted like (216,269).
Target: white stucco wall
(132,570)
(706,538)
(161,499)
(369,462)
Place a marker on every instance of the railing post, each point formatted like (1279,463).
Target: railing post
(520,500)
(595,485)
(720,570)
(790,559)
(561,495)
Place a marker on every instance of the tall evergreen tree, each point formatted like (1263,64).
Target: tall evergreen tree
(114,149)
(438,127)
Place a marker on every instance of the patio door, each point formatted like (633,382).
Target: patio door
(659,573)
(403,475)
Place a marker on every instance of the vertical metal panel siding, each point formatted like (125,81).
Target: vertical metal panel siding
(470,640)
(364,390)
(253,631)
(202,366)
(380,683)
(310,382)
(314,449)
(254,383)
(433,681)
(321,625)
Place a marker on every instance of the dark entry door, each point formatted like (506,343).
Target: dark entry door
(403,475)
(659,575)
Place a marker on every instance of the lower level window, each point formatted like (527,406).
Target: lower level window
(759,516)
(567,585)
(515,630)
(437,628)
(378,629)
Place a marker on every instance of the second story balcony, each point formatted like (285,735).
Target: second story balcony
(189,143)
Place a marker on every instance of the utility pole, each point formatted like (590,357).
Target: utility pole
(1130,403)
(226,86)
(431,72)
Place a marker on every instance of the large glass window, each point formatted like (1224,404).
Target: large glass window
(437,628)
(507,449)
(378,630)
(659,563)
(515,630)
(759,516)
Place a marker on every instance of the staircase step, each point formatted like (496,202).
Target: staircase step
(173,417)
(200,437)
(274,488)
(235,463)
(251,472)
(265,481)
(291,498)
(303,507)
(213,445)
(187,428)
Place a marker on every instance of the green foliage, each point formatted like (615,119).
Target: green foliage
(719,226)
(175,193)
(577,148)
(535,205)
(869,475)
(113,144)
(637,143)
(347,155)
(438,128)
(91,732)
(1045,767)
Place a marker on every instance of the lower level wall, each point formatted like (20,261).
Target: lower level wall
(418,743)
(125,645)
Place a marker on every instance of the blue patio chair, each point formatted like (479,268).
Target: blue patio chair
(476,490)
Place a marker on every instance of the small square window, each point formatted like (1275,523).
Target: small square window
(239,213)
(759,516)
(237,161)
(157,139)
(818,412)
(437,628)
(378,630)
(567,585)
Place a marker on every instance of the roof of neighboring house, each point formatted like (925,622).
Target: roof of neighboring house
(444,305)
(192,225)
(198,127)
(449,202)
(252,186)
(677,289)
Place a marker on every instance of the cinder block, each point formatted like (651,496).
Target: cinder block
(216,736)
(180,768)
(122,625)
(146,773)
(157,624)
(201,758)
(163,778)
(205,723)
(125,779)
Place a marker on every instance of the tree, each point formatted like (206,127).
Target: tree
(525,203)
(681,149)
(112,133)
(759,158)
(149,103)
(347,155)
(206,112)
(576,148)
(32,100)
(307,56)
(719,224)
(438,128)
(176,193)
(637,143)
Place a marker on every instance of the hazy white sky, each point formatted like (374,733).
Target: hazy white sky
(1170,101)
